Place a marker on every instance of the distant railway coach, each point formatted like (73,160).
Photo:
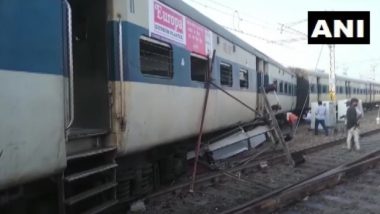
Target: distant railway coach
(314,86)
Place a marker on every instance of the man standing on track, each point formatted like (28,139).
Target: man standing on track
(320,116)
(353,116)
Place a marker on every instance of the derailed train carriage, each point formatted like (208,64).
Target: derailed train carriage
(98,97)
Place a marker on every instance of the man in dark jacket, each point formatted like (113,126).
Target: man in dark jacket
(353,116)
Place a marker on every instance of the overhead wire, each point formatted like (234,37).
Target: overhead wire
(231,11)
(253,20)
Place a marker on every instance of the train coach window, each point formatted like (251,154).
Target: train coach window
(286,88)
(226,74)
(156,58)
(243,78)
(199,68)
(324,89)
(281,87)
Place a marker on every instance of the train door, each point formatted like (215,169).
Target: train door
(89,66)
(346,88)
(369,93)
(260,73)
(349,89)
(266,75)
(367,100)
(260,82)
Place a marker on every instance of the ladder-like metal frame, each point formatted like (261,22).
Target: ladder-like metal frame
(275,127)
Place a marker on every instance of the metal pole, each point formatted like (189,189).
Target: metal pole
(199,141)
(70,62)
(236,99)
(299,118)
(121,71)
(332,86)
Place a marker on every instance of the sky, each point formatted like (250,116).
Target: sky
(278,28)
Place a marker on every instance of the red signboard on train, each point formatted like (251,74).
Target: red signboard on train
(170,25)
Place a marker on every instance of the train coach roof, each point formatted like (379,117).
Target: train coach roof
(305,72)
(194,14)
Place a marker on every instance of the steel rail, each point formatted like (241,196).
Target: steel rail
(292,193)
(272,160)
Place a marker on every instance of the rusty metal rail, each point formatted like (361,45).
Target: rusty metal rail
(275,159)
(292,193)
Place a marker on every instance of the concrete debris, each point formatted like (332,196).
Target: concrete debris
(263,164)
(138,207)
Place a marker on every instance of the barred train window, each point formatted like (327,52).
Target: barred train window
(156,58)
(324,89)
(226,74)
(243,78)
(281,87)
(286,88)
(199,68)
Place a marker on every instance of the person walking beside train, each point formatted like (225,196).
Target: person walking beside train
(320,117)
(353,116)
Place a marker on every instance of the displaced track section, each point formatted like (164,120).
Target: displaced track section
(239,187)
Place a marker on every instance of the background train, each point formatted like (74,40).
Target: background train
(100,98)
(314,86)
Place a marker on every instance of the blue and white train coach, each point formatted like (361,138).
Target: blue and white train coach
(314,86)
(85,81)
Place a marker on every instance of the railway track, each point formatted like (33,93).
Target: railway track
(220,192)
(358,194)
(271,158)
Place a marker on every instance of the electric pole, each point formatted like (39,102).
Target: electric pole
(332,86)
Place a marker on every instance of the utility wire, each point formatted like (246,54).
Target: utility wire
(253,21)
